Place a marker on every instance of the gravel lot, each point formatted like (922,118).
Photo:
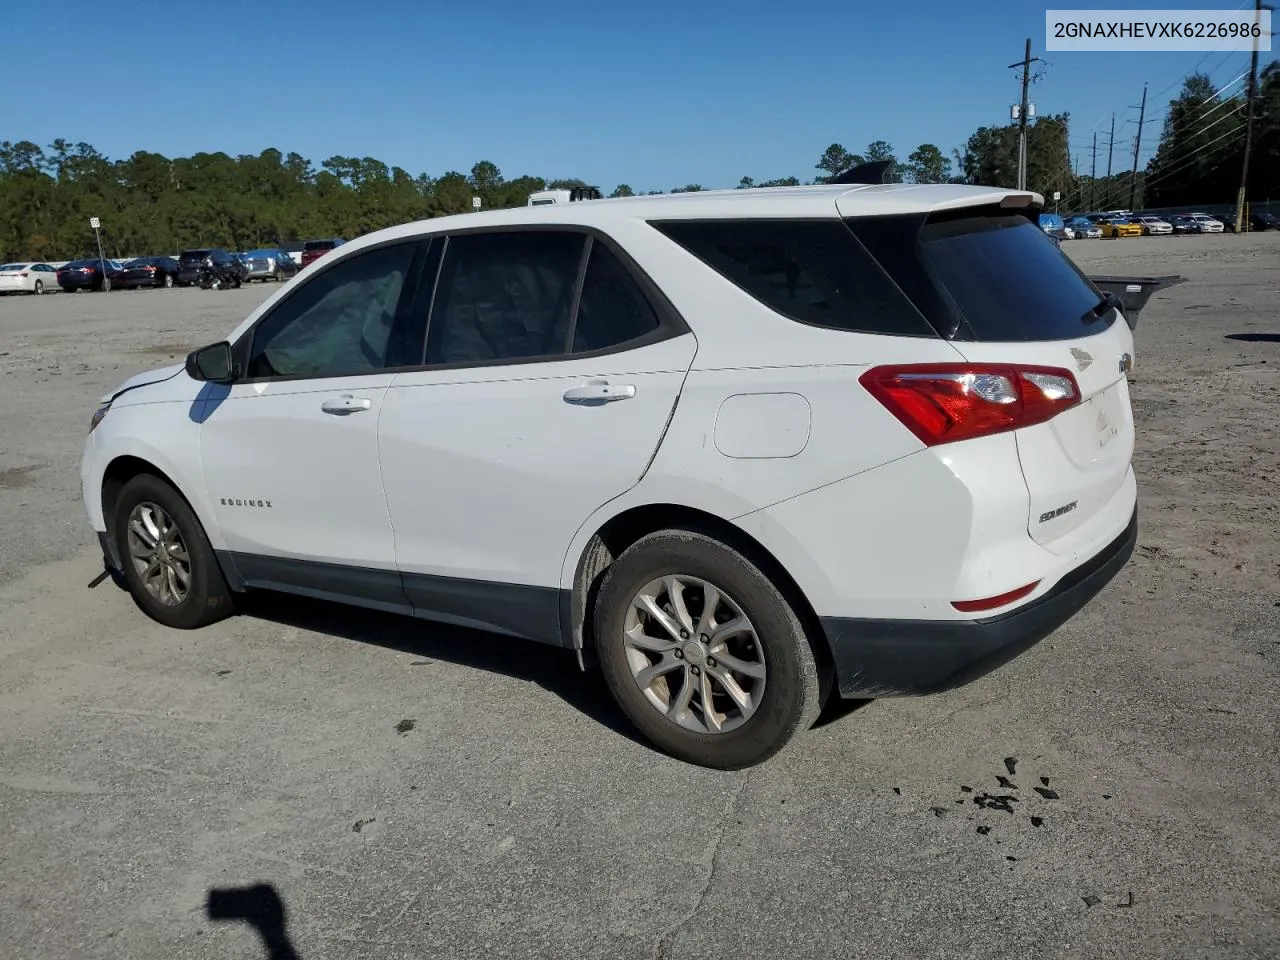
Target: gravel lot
(412,791)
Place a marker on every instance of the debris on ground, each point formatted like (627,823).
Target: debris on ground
(988,801)
(984,829)
(1037,821)
(1091,900)
(1006,783)
(1010,763)
(404,726)
(361,824)
(1047,793)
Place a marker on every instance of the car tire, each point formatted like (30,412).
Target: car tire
(206,598)
(784,688)
(168,281)
(38,288)
(106,284)
(279,275)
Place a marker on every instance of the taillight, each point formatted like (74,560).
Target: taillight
(943,403)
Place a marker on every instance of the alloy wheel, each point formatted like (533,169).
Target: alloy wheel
(694,654)
(159,554)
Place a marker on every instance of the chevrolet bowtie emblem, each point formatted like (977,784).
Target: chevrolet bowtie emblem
(1082,359)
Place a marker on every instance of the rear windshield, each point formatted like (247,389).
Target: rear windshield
(986,276)
(319,245)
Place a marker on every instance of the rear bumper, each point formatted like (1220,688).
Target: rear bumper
(882,658)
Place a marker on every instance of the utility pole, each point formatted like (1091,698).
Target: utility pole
(1111,143)
(1025,64)
(1248,124)
(1093,173)
(1137,145)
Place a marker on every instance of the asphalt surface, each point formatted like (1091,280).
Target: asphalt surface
(341,784)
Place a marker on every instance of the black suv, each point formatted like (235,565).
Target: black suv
(228,267)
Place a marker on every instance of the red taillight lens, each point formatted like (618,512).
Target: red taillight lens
(990,603)
(943,403)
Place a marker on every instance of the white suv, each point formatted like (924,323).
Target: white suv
(745,447)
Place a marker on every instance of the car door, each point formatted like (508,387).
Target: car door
(552,367)
(290,451)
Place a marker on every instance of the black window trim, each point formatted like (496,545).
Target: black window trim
(242,348)
(670,323)
(931,334)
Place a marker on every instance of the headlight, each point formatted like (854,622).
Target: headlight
(98,415)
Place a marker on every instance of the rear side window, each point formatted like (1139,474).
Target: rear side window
(319,245)
(612,309)
(504,296)
(812,271)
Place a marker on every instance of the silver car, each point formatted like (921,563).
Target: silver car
(269,263)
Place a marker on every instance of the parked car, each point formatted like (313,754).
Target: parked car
(149,272)
(1153,226)
(1182,224)
(28,278)
(1263,220)
(1207,223)
(1113,227)
(189,264)
(315,249)
(900,453)
(1053,225)
(88,274)
(269,263)
(1084,228)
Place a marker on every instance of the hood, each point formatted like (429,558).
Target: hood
(141,380)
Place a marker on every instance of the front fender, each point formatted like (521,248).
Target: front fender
(122,433)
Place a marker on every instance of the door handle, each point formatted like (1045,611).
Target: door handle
(346,404)
(595,392)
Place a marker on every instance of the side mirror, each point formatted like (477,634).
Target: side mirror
(213,364)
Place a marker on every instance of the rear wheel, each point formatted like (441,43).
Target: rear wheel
(168,563)
(703,652)
(168,280)
(279,275)
(106,284)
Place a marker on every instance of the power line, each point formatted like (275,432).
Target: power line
(1187,160)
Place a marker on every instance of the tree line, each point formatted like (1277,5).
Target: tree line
(149,203)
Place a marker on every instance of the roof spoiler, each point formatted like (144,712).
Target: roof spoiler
(877,171)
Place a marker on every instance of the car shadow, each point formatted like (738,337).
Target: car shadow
(554,669)
(261,907)
(1255,337)
(837,708)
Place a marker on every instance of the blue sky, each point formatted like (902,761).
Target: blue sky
(653,94)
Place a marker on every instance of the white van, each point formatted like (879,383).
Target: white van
(543,197)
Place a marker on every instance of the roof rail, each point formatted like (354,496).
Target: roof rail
(877,171)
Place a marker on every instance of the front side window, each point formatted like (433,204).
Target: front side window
(341,323)
(504,296)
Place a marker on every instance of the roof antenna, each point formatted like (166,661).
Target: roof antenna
(877,171)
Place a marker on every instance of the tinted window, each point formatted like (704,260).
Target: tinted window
(813,271)
(1007,282)
(189,255)
(341,323)
(319,245)
(504,296)
(612,308)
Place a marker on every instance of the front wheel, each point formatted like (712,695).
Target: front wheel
(39,288)
(703,652)
(168,280)
(168,563)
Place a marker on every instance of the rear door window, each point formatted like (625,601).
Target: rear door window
(504,297)
(612,308)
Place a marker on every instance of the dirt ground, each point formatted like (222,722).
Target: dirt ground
(351,784)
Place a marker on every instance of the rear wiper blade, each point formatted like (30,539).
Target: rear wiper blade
(1108,302)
